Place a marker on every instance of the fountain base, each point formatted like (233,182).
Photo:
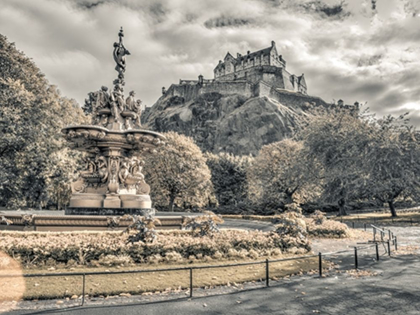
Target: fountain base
(110,211)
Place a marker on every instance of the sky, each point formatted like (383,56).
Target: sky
(356,50)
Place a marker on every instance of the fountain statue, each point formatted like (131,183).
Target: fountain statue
(115,146)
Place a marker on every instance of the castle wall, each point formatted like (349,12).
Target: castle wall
(295,99)
(187,91)
(262,89)
(234,87)
(269,74)
(191,91)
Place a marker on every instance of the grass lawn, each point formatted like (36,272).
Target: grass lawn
(137,283)
(382,217)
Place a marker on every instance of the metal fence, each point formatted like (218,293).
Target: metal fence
(379,237)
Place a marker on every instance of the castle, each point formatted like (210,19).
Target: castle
(264,65)
(257,74)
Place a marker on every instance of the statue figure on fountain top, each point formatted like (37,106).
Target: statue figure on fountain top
(119,56)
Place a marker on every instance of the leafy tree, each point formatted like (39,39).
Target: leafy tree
(393,162)
(278,174)
(336,145)
(228,175)
(32,112)
(178,174)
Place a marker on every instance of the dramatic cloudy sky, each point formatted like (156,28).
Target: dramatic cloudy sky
(357,50)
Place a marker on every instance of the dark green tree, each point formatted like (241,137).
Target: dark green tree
(229,177)
(32,153)
(393,162)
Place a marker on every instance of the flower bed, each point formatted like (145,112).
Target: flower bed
(86,248)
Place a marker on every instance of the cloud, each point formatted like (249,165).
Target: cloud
(347,49)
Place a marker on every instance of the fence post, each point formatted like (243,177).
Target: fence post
(356,263)
(320,264)
(364,225)
(389,248)
(191,282)
(83,289)
(377,251)
(267,273)
(389,234)
(352,224)
(374,234)
(395,242)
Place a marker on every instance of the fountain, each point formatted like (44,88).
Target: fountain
(112,184)
(115,144)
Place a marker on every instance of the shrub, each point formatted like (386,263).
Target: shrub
(144,227)
(319,226)
(203,225)
(112,260)
(291,224)
(87,248)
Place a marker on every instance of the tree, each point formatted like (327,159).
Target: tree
(278,176)
(178,174)
(32,113)
(336,144)
(393,163)
(229,177)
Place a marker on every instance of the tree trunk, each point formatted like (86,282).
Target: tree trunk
(171,203)
(342,207)
(392,208)
(289,198)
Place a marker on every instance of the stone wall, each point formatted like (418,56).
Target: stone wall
(191,91)
(225,88)
(293,99)
(262,89)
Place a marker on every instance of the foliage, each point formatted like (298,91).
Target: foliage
(319,226)
(203,225)
(144,227)
(335,145)
(291,223)
(393,162)
(277,176)
(228,175)
(318,217)
(41,248)
(32,154)
(178,174)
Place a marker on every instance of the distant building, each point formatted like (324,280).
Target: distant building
(263,65)
(256,74)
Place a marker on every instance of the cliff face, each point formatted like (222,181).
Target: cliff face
(231,123)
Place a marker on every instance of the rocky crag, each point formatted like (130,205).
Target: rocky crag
(237,122)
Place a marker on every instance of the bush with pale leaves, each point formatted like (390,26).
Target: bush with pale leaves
(88,248)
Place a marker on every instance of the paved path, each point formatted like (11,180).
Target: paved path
(394,291)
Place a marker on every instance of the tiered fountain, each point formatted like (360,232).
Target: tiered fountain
(112,184)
